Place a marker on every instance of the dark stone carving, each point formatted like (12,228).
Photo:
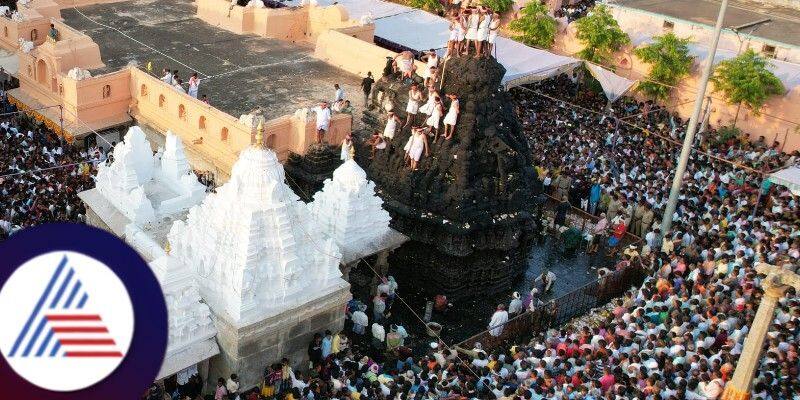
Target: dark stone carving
(306,174)
(468,207)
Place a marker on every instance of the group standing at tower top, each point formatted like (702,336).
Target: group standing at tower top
(473,28)
(473,31)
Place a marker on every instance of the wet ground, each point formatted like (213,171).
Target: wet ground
(245,71)
(467,318)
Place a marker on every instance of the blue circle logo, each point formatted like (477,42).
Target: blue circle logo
(83,315)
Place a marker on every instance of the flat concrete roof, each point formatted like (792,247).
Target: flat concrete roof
(784,26)
(278,76)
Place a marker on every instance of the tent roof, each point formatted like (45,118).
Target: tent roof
(359,8)
(789,177)
(526,64)
(614,86)
(415,29)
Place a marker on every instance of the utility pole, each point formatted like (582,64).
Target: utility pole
(688,140)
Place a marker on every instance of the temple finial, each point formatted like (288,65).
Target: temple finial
(260,134)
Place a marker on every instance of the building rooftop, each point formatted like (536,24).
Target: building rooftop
(783,27)
(245,71)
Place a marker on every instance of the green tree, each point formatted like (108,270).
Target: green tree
(500,6)
(534,27)
(600,35)
(429,5)
(669,61)
(746,80)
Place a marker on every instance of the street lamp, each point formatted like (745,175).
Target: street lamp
(688,140)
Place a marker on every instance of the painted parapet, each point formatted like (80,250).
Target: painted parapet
(290,24)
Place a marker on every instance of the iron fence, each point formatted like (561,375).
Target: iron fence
(558,312)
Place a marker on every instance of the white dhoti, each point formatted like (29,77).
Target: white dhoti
(496,325)
(412,107)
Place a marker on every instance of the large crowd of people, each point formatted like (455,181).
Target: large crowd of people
(40,174)
(678,336)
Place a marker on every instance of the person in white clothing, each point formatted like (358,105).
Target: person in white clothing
(456,35)
(377,143)
(167,78)
(416,146)
(431,64)
(339,96)
(414,98)
(499,318)
(427,108)
(436,116)
(179,86)
(461,48)
(404,62)
(483,32)
(194,85)
(391,125)
(348,150)
(360,320)
(515,307)
(323,120)
(452,117)
(494,26)
(473,21)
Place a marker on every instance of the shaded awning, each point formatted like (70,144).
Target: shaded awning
(614,86)
(789,177)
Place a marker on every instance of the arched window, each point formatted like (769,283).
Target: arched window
(106,91)
(143,91)
(41,72)
(201,123)
(223,135)
(5,31)
(162,101)
(34,35)
(182,112)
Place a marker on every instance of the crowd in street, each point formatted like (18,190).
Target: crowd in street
(40,174)
(678,336)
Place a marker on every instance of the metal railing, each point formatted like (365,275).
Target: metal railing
(558,312)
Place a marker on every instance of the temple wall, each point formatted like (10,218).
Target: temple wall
(12,31)
(217,136)
(246,350)
(208,131)
(100,98)
(640,22)
(290,24)
(354,54)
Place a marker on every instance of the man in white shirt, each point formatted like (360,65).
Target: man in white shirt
(323,120)
(167,78)
(339,93)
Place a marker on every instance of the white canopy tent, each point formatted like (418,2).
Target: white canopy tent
(614,86)
(526,64)
(789,177)
(416,29)
(361,8)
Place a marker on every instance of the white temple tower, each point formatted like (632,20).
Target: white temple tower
(270,279)
(348,210)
